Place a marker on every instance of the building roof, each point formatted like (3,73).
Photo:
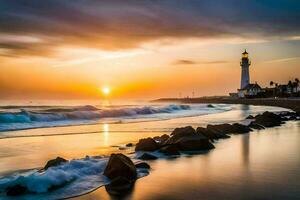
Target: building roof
(245,52)
(251,86)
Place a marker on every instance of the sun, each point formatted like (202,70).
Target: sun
(106,90)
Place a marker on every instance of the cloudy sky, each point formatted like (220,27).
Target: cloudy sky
(143,49)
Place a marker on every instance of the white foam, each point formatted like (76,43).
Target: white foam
(90,115)
(74,178)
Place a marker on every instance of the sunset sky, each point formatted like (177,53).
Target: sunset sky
(143,49)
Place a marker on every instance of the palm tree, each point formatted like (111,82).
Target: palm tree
(271,83)
(296,84)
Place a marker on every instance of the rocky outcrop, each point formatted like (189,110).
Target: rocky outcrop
(250,117)
(143,165)
(170,150)
(179,133)
(55,162)
(268,119)
(240,128)
(122,172)
(161,139)
(186,139)
(194,143)
(120,165)
(254,125)
(215,132)
(146,144)
(147,156)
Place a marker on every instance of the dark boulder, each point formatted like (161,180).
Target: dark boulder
(183,131)
(218,131)
(240,128)
(207,133)
(250,117)
(120,165)
(129,145)
(223,128)
(180,133)
(147,156)
(16,190)
(147,144)
(268,119)
(55,162)
(164,138)
(254,125)
(143,165)
(161,139)
(170,150)
(194,143)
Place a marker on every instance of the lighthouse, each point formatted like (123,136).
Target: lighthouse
(245,63)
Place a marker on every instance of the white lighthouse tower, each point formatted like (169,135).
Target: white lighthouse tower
(245,63)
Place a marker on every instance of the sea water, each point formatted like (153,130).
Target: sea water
(23,152)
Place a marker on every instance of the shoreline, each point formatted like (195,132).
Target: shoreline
(186,139)
(293,104)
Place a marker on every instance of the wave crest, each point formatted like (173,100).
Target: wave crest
(84,113)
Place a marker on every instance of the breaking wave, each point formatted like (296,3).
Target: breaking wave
(74,178)
(37,117)
(84,113)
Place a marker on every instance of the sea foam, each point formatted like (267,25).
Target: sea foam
(73,178)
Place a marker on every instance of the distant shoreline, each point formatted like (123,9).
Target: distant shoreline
(293,104)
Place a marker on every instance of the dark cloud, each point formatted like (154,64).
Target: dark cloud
(193,62)
(122,24)
(185,62)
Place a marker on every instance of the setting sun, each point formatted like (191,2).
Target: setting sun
(106,90)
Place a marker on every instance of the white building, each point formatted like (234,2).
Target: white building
(250,90)
(247,89)
(245,64)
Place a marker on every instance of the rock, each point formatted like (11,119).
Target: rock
(240,128)
(217,131)
(129,145)
(147,144)
(292,117)
(156,138)
(142,165)
(161,139)
(210,106)
(147,156)
(120,165)
(170,150)
(268,119)
(205,132)
(119,186)
(254,125)
(16,190)
(164,138)
(222,128)
(179,133)
(250,117)
(55,162)
(194,143)
(183,131)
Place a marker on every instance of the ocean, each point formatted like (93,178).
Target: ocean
(87,134)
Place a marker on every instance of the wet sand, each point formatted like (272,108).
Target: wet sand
(260,165)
